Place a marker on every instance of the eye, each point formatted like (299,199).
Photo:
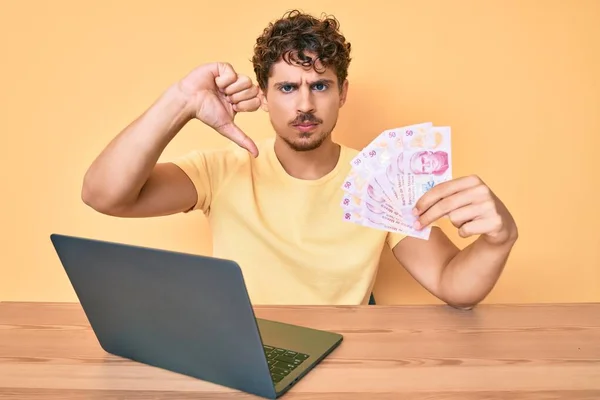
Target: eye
(286,88)
(320,86)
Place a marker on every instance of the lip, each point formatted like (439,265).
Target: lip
(305,127)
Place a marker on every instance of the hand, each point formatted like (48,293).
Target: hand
(472,208)
(216,94)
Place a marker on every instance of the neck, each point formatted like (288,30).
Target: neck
(308,165)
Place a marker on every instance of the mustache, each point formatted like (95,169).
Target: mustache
(305,118)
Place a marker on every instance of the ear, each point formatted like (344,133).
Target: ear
(344,92)
(263,100)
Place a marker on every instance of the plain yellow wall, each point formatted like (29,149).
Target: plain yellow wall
(518,81)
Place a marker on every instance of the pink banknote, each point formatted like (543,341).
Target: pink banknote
(392,172)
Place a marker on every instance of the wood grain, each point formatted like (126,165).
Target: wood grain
(48,351)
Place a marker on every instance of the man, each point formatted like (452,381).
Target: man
(275,207)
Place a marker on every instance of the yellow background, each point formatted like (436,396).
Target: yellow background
(518,81)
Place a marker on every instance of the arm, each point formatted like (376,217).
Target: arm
(461,278)
(125,179)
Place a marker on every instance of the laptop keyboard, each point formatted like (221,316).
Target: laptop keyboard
(282,361)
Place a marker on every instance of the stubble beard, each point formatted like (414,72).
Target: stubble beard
(312,143)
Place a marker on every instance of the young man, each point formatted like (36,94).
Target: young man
(275,207)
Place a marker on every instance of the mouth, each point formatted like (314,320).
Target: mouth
(305,126)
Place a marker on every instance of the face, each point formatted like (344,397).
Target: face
(427,162)
(303,105)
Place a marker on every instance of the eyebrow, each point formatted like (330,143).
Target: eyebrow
(278,85)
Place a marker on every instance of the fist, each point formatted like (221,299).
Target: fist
(216,94)
(471,206)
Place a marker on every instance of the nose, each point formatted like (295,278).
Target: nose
(305,101)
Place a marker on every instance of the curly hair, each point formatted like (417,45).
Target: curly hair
(296,33)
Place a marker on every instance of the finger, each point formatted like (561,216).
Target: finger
(241,83)
(235,134)
(246,94)
(478,227)
(468,213)
(247,105)
(443,190)
(225,75)
(447,205)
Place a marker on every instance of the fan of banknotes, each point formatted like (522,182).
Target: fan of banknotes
(392,172)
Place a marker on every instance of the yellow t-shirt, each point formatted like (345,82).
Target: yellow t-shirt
(287,234)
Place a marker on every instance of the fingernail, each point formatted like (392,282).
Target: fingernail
(417,225)
(415,211)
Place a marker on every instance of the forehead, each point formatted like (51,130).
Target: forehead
(282,71)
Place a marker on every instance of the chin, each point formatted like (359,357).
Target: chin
(304,142)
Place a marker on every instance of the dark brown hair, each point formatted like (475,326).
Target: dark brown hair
(296,33)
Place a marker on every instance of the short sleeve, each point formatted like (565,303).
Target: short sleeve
(209,170)
(393,238)
(196,166)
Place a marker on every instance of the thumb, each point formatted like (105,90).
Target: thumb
(231,131)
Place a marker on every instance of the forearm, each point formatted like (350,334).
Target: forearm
(472,273)
(120,171)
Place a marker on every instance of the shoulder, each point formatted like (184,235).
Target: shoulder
(347,154)
(225,159)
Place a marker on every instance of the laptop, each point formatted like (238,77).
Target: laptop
(188,314)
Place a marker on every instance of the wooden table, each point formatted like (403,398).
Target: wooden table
(48,351)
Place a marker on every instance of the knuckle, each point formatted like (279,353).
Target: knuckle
(474,180)
(228,70)
(446,206)
(453,218)
(497,222)
(489,205)
(419,204)
(241,107)
(483,191)
(245,80)
(249,105)
(251,93)
(236,97)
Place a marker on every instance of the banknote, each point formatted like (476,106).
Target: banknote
(424,162)
(386,145)
(372,161)
(392,172)
(363,212)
